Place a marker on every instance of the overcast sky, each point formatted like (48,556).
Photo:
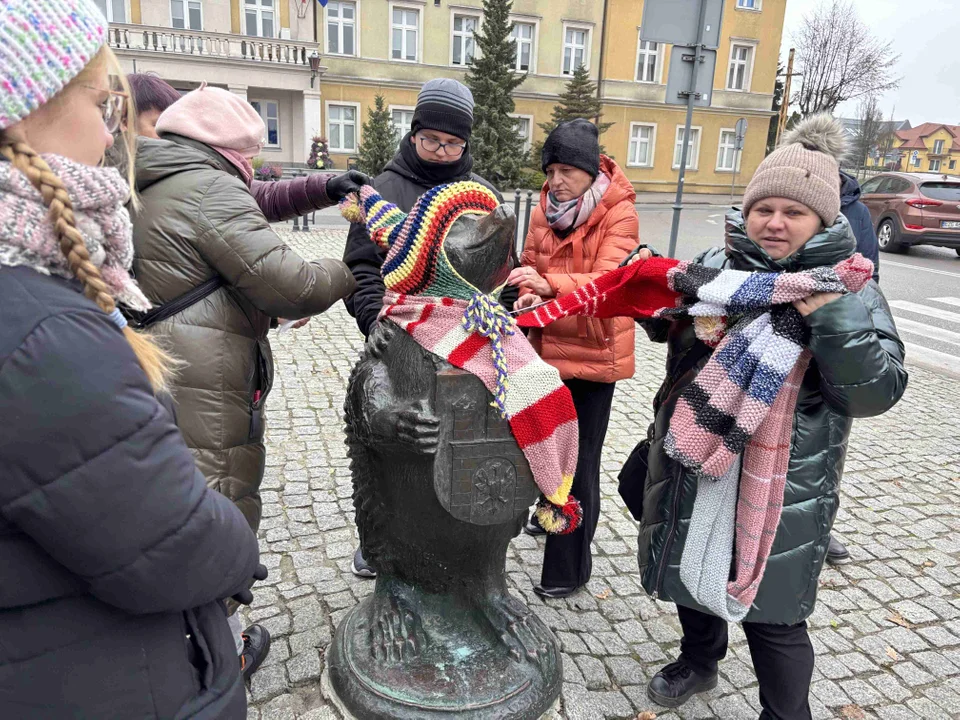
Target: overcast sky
(926,34)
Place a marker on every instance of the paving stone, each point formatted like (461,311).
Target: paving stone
(593,671)
(305,666)
(626,671)
(581,704)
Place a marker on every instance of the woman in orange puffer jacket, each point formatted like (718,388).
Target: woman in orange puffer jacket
(584,226)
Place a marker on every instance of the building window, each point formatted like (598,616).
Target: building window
(643,139)
(938,147)
(464,44)
(525,130)
(342,28)
(402,119)
(935,165)
(269,111)
(405,35)
(575,50)
(260,16)
(953,164)
(523,42)
(693,156)
(916,159)
(648,61)
(741,57)
(114,11)
(342,127)
(727,151)
(186,14)
(748,4)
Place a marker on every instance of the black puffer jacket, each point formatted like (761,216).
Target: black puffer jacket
(856,371)
(401,184)
(113,552)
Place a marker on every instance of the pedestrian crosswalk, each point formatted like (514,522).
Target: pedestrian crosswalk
(930,331)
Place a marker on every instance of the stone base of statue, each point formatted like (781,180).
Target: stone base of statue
(440,637)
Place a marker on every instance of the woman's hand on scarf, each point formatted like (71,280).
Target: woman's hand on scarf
(642,254)
(339,186)
(529,279)
(811,304)
(525,301)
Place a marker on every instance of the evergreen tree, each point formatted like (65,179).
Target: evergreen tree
(379,140)
(578,100)
(496,146)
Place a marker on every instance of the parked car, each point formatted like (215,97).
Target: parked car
(914,209)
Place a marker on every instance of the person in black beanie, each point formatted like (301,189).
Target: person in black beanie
(436,151)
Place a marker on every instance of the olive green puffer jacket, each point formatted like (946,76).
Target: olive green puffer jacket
(857,371)
(199,220)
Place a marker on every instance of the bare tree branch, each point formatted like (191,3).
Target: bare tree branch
(840,59)
(869,129)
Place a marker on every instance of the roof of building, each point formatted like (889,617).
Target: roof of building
(851,125)
(913,138)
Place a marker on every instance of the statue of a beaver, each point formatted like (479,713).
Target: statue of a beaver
(440,489)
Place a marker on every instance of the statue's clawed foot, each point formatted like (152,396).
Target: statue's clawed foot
(396,632)
(518,629)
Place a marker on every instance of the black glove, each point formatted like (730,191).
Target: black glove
(339,186)
(245,597)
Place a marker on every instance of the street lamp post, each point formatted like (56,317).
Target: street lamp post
(314,66)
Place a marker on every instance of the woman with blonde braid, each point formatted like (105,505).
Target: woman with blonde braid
(115,553)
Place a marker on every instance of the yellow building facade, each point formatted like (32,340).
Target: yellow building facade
(929,148)
(391,47)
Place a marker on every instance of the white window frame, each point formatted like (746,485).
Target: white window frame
(401,132)
(409,7)
(693,159)
(737,155)
(936,150)
(535,24)
(935,161)
(356,29)
(528,139)
(126,12)
(631,162)
(186,15)
(356,121)
(916,161)
(658,68)
(748,66)
(757,6)
(264,113)
(244,6)
(454,34)
(587,48)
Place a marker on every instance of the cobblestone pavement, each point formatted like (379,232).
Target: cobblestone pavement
(887,626)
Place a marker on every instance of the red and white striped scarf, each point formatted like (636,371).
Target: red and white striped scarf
(538,405)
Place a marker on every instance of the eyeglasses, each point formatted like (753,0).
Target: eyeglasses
(113,108)
(431,145)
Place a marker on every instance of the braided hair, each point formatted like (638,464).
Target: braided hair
(155,362)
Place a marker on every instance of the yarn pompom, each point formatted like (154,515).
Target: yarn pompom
(350,209)
(559,519)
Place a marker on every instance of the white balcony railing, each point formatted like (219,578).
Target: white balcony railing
(161,40)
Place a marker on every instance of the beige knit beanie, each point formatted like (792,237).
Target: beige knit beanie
(805,168)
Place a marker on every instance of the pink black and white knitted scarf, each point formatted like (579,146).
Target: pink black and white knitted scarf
(27,237)
(732,425)
(565,217)
(538,405)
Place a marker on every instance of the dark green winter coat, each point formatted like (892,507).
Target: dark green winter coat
(856,371)
(199,220)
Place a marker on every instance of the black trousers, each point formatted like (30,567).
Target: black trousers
(782,658)
(567,561)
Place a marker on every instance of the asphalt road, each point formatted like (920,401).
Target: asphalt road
(922,286)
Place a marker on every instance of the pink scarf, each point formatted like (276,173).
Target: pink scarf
(240,162)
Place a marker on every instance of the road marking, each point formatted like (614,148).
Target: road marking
(712,222)
(917,267)
(947,301)
(925,310)
(933,359)
(931,332)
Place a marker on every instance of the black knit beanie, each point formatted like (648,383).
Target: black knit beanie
(575,143)
(444,105)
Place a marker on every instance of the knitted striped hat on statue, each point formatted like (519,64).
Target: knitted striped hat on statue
(44,44)
(452,319)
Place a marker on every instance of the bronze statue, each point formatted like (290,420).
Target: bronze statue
(440,489)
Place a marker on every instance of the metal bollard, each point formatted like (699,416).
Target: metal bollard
(526,219)
(516,214)
(306,222)
(296,223)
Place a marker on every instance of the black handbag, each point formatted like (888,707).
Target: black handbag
(633,478)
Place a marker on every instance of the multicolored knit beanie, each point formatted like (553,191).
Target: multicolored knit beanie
(451,318)
(44,44)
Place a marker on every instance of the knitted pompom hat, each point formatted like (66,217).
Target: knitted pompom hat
(416,262)
(44,44)
(805,168)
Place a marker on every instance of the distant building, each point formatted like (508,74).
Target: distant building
(887,128)
(930,147)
